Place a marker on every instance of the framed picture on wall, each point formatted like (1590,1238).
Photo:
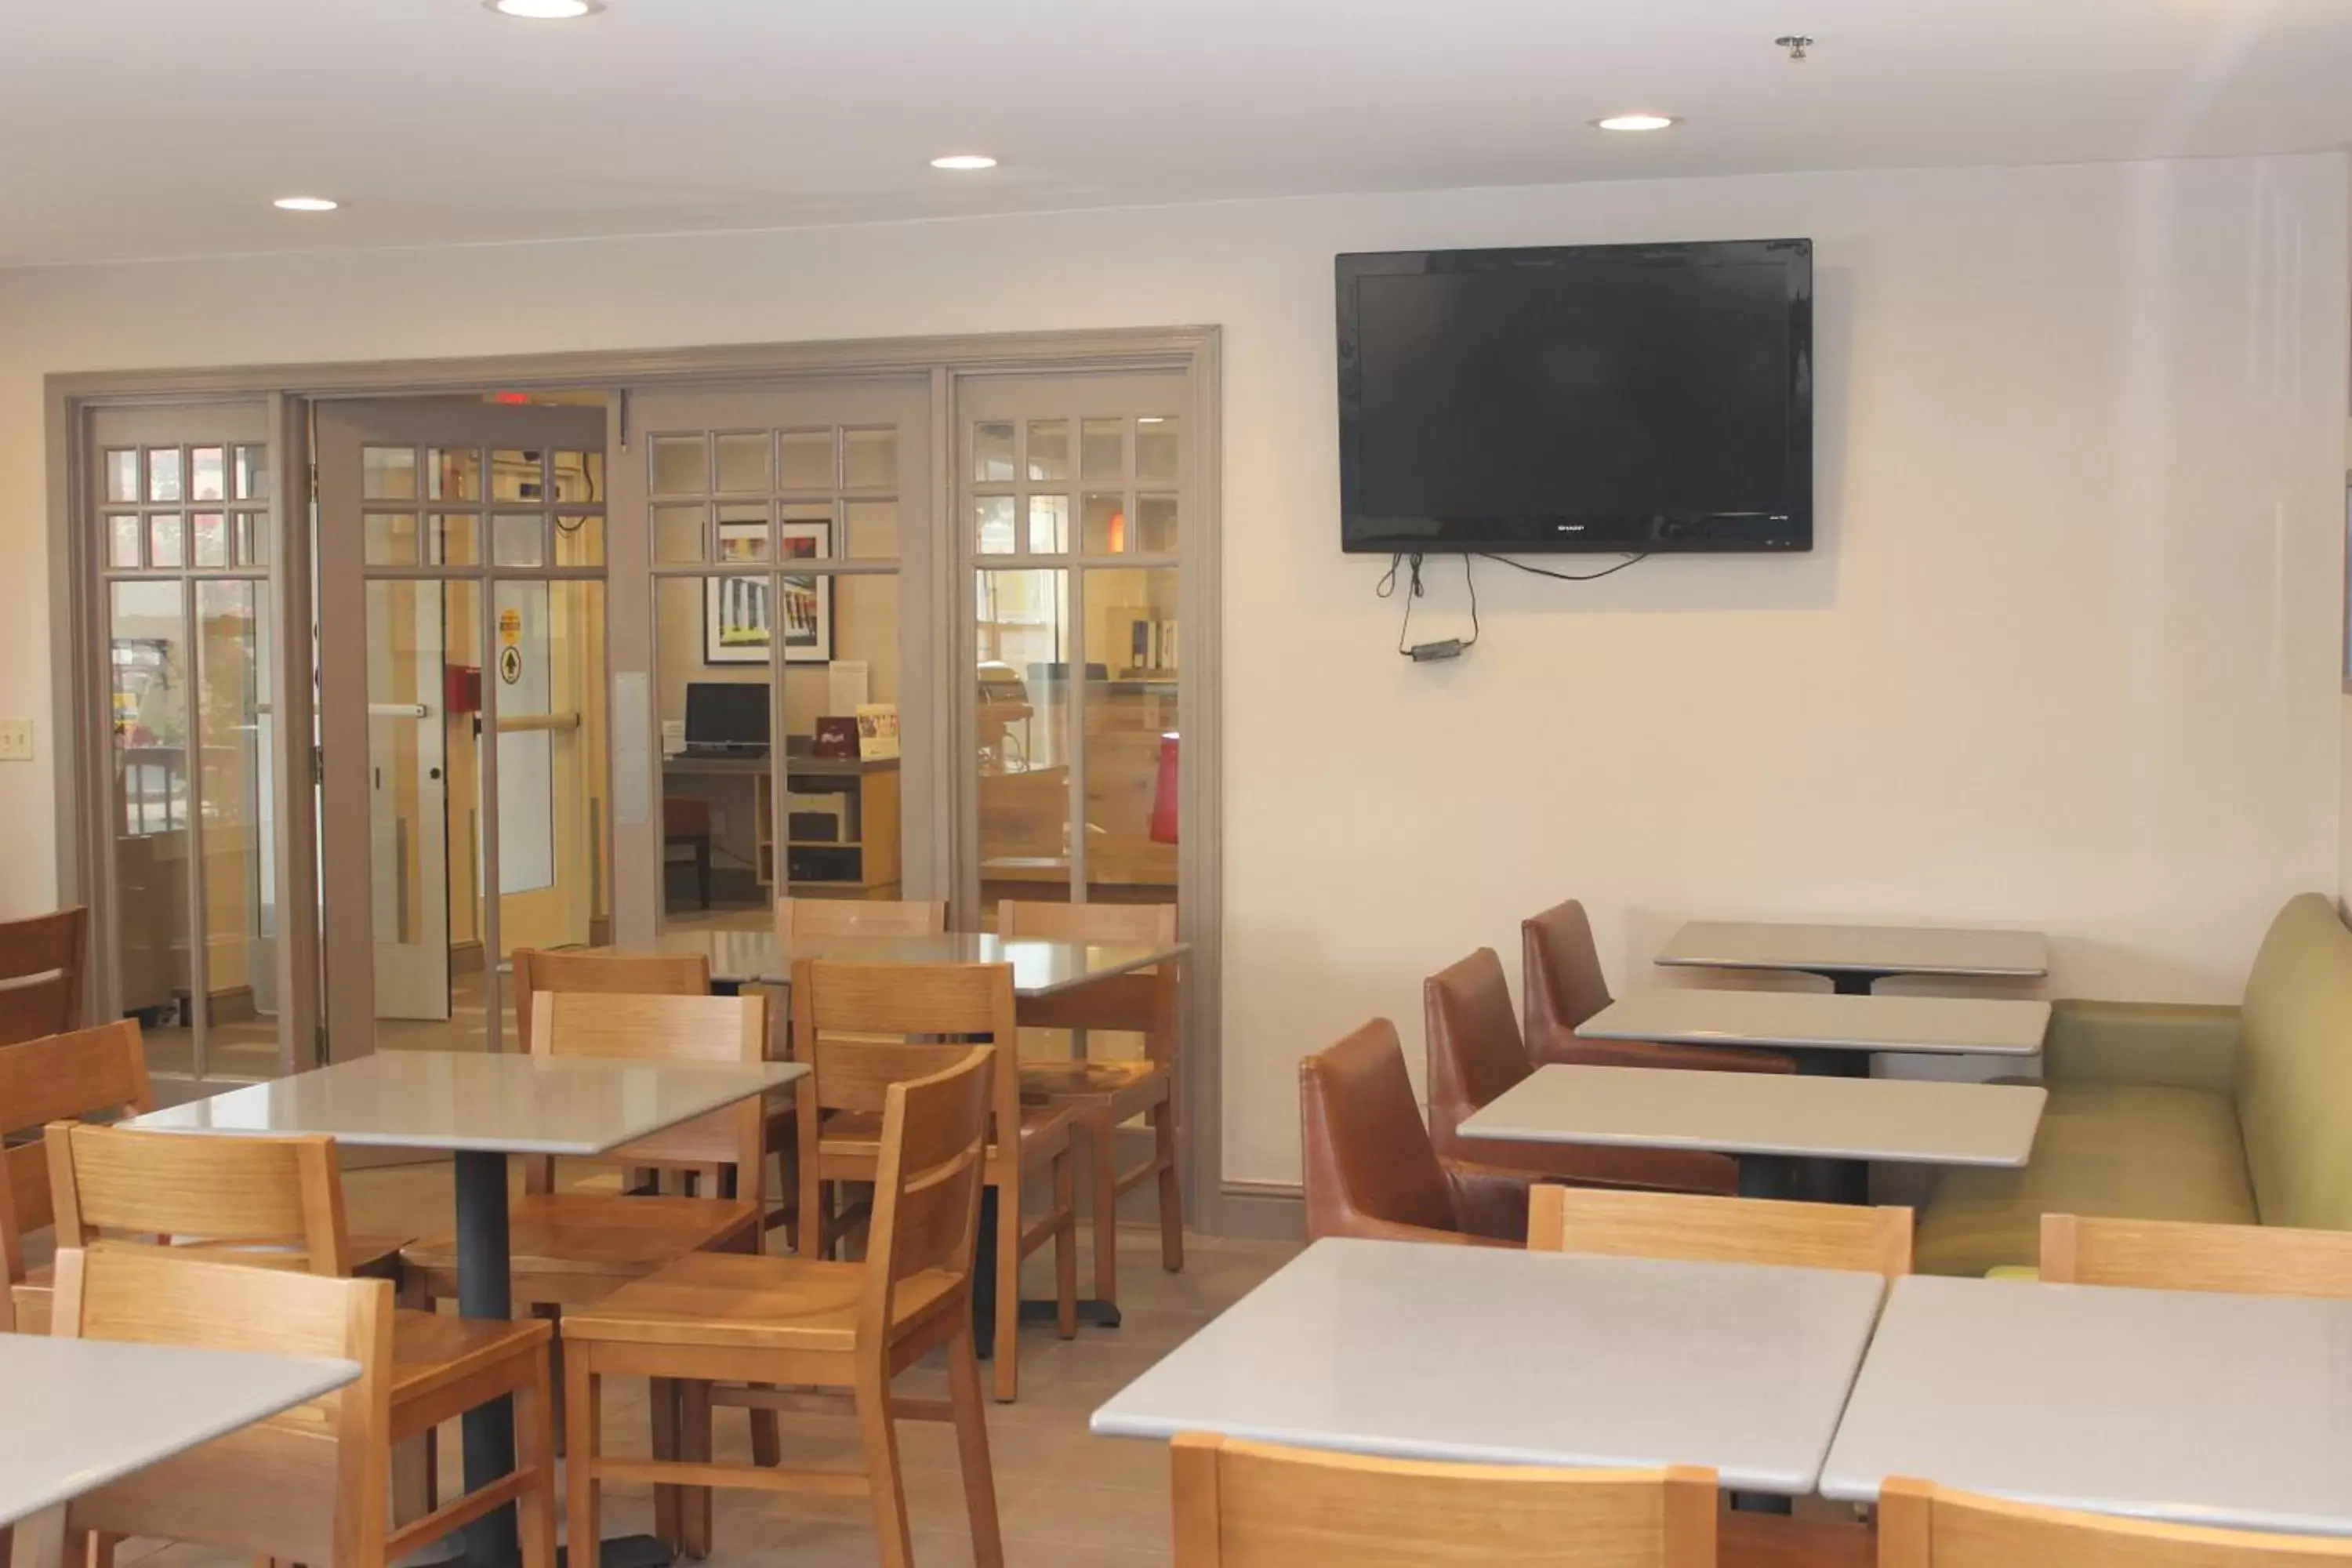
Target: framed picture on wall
(743,617)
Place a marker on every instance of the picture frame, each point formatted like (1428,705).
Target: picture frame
(743,617)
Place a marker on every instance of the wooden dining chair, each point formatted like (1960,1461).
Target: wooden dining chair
(1254,1505)
(2175,1254)
(1720,1230)
(860,917)
(570,1248)
(304,1486)
(1103,1095)
(100,1072)
(755,1325)
(1921,1525)
(117,1187)
(1562,985)
(41,964)
(1476,1054)
(864,1027)
(1369,1167)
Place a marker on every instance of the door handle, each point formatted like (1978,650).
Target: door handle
(433,773)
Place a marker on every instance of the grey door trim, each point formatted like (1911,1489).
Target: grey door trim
(1194,349)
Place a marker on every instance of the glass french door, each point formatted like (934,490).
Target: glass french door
(177,565)
(464,722)
(778,668)
(1072,492)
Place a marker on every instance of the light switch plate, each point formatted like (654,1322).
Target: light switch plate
(15,740)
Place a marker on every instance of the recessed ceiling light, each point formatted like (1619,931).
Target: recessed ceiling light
(1635,122)
(545,10)
(964,161)
(305,205)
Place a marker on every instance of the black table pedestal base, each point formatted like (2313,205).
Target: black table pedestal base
(1091,1313)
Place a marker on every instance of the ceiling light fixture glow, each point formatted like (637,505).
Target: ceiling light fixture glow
(965,162)
(1635,122)
(305,205)
(545,10)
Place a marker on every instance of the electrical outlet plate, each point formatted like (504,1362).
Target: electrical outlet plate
(15,740)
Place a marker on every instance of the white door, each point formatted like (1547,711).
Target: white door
(462,713)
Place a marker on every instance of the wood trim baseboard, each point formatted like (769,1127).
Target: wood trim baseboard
(1258,1211)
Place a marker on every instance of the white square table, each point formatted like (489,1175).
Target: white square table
(1853,958)
(1835,1034)
(483,1108)
(82,1412)
(2182,1405)
(1769,1117)
(1040,967)
(1501,1356)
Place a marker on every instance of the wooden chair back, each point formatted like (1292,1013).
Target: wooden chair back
(1921,1525)
(927,1183)
(41,968)
(604,973)
(2174,1254)
(59,1078)
(306,1486)
(1142,1001)
(1253,1505)
(1616,1223)
(122,1182)
(860,917)
(1137,923)
(864,1027)
(679,1028)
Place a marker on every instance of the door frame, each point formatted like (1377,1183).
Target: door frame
(1194,351)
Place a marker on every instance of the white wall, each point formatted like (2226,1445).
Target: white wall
(2065,654)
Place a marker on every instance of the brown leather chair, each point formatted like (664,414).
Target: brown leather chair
(1371,1170)
(1562,987)
(1475,1053)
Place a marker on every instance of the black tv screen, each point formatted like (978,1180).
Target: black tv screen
(1617,397)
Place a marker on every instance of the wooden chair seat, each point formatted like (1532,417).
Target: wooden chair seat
(437,1358)
(740,1301)
(596,1235)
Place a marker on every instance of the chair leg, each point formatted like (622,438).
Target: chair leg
(1102,1168)
(885,1491)
(1162,1117)
(694,1446)
(972,1448)
(534,1418)
(583,1409)
(1066,1247)
(661,1400)
(767,1444)
(1008,1292)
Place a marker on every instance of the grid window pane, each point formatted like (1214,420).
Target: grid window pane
(579,476)
(122,534)
(743,463)
(208,474)
(993,532)
(122,474)
(743,532)
(211,531)
(677,533)
(1103,449)
(580,541)
(1106,524)
(163,473)
(390,539)
(166,541)
(804,460)
(679,466)
(457,538)
(252,539)
(1155,519)
(873,527)
(992,453)
(388,473)
(1049,524)
(454,473)
(1158,449)
(251,474)
(869,460)
(515,474)
(1049,450)
(516,538)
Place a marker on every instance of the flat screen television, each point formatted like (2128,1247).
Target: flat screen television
(1616,397)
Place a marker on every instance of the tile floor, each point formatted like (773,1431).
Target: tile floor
(1064,1496)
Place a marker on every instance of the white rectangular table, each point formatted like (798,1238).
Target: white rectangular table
(1777,1117)
(1040,967)
(2182,1405)
(82,1412)
(1828,1034)
(1503,1356)
(485,1107)
(1853,958)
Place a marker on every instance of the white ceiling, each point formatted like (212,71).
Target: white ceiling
(148,128)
